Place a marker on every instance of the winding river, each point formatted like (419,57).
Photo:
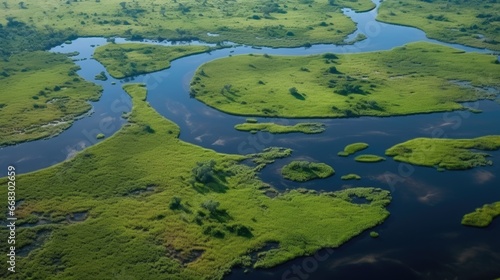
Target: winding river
(423,237)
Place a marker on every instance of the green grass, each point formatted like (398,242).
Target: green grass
(374,234)
(369,158)
(351,177)
(307,128)
(253,22)
(460,22)
(417,78)
(301,171)
(483,216)
(40,96)
(149,216)
(130,59)
(352,149)
(452,154)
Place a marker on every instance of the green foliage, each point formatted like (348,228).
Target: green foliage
(369,158)
(269,155)
(130,224)
(351,177)
(470,22)
(100,136)
(374,234)
(353,148)
(49,79)
(308,128)
(483,216)
(449,154)
(204,171)
(101,76)
(383,83)
(301,171)
(124,60)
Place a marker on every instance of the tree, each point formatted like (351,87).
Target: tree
(211,206)
(22,5)
(163,10)
(203,172)
(124,5)
(175,203)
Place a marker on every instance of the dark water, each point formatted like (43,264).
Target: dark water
(422,239)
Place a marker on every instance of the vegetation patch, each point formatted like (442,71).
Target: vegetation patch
(302,171)
(384,83)
(351,177)
(130,59)
(101,76)
(483,216)
(374,234)
(308,128)
(452,154)
(369,158)
(468,22)
(179,229)
(352,149)
(41,94)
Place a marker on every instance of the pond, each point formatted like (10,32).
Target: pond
(423,237)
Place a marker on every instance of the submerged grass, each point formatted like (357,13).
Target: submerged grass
(446,153)
(352,149)
(472,22)
(149,216)
(40,96)
(130,59)
(302,171)
(307,128)
(384,83)
(483,216)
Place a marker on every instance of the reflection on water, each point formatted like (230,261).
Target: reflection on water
(423,237)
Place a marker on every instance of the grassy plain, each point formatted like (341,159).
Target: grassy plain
(369,158)
(417,78)
(352,149)
(446,153)
(301,171)
(483,216)
(253,22)
(148,216)
(307,128)
(40,96)
(124,60)
(469,22)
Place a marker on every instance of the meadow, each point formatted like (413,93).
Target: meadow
(416,78)
(469,22)
(352,149)
(147,216)
(482,217)
(126,60)
(307,128)
(301,171)
(254,22)
(369,158)
(451,154)
(41,94)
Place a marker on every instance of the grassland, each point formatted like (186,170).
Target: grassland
(483,216)
(125,60)
(417,78)
(352,149)
(369,158)
(40,96)
(452,154)
(148,216)
(253,22)
(307,128)
(474,23)
(301,171)
(351,177)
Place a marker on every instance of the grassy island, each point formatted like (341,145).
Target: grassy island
(450,154)
(40,96)
(351,177)
(130,59)
(472,22)
(383,83)
(352,149)
(124,208)
(483,216)
(302,171)
(307,128)
(369,158)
